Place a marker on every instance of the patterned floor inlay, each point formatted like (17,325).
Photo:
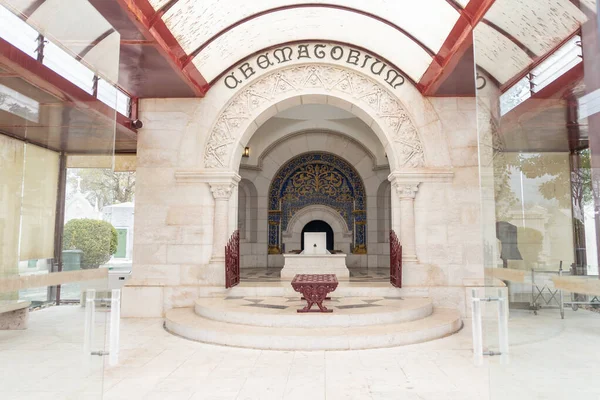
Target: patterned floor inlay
(255,301)
(266,306)
(272,274)
(372,301)
(357,306)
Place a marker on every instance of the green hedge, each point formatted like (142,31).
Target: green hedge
(96,239)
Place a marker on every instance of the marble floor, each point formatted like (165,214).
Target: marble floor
(550,359)
(272,274)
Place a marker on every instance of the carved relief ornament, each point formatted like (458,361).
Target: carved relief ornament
(221,191)
(305,79)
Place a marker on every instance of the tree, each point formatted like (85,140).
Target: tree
(568,187)
(96,239)
(106,186)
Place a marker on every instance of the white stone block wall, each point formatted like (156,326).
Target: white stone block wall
(174,219)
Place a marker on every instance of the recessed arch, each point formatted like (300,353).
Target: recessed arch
(317,178)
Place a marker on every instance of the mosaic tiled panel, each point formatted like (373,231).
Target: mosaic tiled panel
(317,179)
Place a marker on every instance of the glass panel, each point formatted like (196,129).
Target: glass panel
(247,38)
(65,65)
(514,96)
(11,183)
(61,22)
(541,24)
(193,22)
(51,351)
(18,33)
(538,149)
(123,103)
(561,61)
(107,93)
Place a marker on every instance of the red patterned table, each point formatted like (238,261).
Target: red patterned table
(314,289)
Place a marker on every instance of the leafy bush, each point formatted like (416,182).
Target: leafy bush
(96,239)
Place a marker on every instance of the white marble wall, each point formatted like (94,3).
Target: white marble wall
(174,218)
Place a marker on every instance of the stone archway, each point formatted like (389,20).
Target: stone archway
(314,83)
(320,83)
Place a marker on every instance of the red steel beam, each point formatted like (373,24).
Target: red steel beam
(537,61)
(51,82)
(151,25)
(457,42)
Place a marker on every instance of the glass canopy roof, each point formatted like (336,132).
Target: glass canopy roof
(81,30)
(522,31)
(223,33)
(218,34)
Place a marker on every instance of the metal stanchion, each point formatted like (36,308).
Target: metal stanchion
(115,318)
(478,352)
(477,331)
(90,322)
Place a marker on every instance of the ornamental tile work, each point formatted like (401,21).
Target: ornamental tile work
(317,178)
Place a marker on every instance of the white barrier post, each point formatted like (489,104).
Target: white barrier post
(503,325)
(89,324)
(477,331)
(115,320)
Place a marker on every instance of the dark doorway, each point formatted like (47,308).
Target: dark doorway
(318,226)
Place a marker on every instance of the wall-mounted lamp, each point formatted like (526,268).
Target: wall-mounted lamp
(246,152)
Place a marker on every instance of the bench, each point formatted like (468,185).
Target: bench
(314,289)
(14,314)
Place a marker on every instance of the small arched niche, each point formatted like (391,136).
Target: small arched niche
(318,225)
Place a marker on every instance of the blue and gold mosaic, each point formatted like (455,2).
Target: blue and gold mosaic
(317,178)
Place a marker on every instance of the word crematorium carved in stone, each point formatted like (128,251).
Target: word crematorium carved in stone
(316,52)
(382,104)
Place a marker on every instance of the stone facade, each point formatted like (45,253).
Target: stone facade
(190,150)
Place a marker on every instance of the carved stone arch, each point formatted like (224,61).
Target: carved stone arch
(292,237)
(317,211)
(314,83)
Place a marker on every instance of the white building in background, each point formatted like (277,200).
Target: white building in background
(79,206)
(121,217)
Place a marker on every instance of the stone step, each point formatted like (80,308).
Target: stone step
(284,288)
(186,323)
(281,311)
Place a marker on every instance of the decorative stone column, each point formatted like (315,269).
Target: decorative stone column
(221,193)
(223,185)
(406,195)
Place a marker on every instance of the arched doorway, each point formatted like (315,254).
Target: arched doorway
(318,226)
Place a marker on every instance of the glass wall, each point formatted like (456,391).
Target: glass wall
(538,78)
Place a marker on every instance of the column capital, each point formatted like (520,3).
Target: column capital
(221,191)
(406,190)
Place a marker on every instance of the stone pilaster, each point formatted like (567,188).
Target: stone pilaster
(406,195)
(221,193)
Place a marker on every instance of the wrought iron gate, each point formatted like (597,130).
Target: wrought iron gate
(232,260)
(395,260)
